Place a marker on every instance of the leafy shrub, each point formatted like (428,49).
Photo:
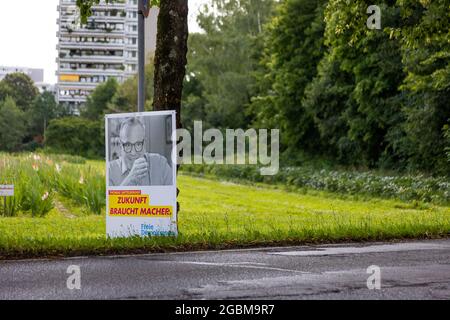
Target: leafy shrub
(76,136)
(408,187)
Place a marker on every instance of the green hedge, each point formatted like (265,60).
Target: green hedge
(405,187)
(77,136)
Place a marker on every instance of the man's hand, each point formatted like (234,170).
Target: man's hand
(137,173)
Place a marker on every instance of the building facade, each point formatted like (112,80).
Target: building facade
(37,75)
(103,48)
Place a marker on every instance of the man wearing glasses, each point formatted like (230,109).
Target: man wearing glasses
(135,167)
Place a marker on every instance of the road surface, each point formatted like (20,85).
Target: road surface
(408,270)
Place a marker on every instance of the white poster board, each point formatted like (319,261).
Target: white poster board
(141,189)
(6,190)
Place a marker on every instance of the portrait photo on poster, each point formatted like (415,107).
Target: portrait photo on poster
(140,150)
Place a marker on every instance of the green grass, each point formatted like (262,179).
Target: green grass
(219,215)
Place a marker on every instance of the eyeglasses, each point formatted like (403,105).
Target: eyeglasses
(128,147)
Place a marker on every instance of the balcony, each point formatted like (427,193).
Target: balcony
(129,46)
(89,45)
(90,72)
(109,6)
(91,33)
(91,59)
(129,33)
(131,60)
(72,98)
(117,18)
(131,7)
(77,85)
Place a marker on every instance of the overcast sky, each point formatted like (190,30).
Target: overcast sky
(28,33)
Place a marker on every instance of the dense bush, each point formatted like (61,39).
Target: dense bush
(408,187)
(77,136)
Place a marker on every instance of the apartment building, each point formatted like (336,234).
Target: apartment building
(103,48)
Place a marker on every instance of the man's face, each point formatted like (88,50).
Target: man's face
(133,140)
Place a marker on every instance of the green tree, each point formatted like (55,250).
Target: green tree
(446,131)
(355,98)
(293,47)
(171,50)
(193,100)
(98,100)
(223,60)
(43,110)
(425,40)
(125,98)
(12,125)
(21,88)
(5,91)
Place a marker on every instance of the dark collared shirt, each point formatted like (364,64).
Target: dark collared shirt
(159,172)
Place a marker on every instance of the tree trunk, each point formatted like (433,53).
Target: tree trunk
(170,56)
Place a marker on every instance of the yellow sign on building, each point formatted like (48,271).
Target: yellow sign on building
(69,78)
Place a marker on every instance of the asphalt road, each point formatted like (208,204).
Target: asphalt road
(408,270)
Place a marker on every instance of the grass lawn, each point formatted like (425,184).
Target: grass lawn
(219,215)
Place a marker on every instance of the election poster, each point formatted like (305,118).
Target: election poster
(141,193)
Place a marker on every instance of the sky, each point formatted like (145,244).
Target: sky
(28,33)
